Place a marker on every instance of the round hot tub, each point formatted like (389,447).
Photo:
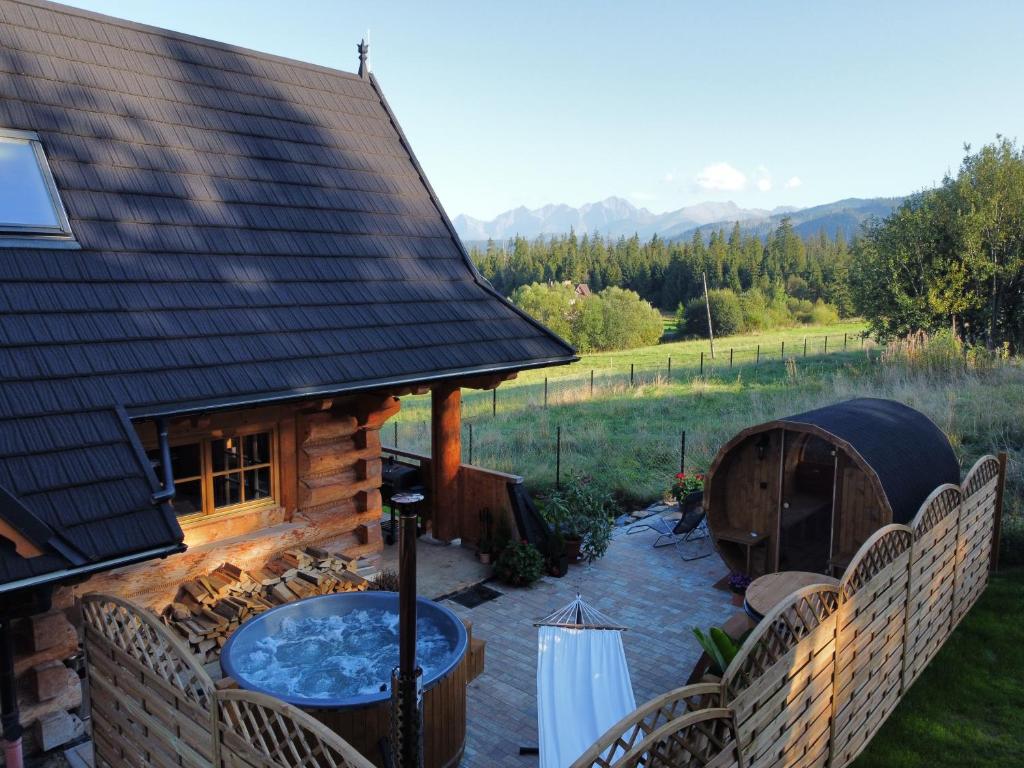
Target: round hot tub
(332,656)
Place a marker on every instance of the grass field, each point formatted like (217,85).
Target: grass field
(628,437)
(965,709)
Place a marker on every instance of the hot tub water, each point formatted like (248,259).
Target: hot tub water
(326,657)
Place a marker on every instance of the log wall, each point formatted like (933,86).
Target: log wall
(327,493)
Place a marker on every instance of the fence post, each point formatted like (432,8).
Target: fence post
(997,523)
(591,382)
(844,341)
(558,457)
(701,363)
(470,443)
(782,355)
(730,357)
(631,374)
(669,366)
(826,343)
(545,391)
(494,402)
(396,434)
(682,451)
(805,346)
(757,360)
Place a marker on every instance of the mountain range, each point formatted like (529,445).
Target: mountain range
(614,216)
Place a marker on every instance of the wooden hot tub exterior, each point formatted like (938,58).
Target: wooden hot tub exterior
(444,722)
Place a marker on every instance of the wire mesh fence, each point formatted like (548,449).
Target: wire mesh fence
(494,437)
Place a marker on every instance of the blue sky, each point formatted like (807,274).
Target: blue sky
(663,103)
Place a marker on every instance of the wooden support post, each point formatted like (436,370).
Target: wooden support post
(396,434)
(845,338)
(494,402)
(782,355)
(591,382)
(446,456)
(826,343)
(670,366)
(757,360)
(730,357)
(805,346)
(631,374)
(997,523)
(470,462)
(701,363)
(545,391)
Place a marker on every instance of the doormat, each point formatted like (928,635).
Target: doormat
(473,596)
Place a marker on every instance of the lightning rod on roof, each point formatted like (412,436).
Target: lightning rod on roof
(364,56)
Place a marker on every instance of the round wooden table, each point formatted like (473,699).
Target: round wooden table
(765,592)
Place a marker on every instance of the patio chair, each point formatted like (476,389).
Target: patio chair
(690,527)
(698,535)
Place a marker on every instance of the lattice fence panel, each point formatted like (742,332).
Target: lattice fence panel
(622,737)
(974,538)
(150,700)
(932,570)
(259,731)
(704,739)
(870,634)
(780,684)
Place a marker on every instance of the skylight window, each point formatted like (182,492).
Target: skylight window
(30,206)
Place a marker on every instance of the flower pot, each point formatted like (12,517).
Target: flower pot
(572,549)
(559,567)
(691,501)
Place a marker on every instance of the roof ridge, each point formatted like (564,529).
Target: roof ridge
(171,34)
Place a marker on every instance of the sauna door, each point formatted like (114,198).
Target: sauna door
(805,517)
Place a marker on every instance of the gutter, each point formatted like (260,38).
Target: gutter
(167,493)
(92,568)
(332,390)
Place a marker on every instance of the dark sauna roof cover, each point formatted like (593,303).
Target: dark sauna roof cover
(903,447)
(252,229)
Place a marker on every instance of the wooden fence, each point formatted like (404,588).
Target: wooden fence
(154,705)
(825,668)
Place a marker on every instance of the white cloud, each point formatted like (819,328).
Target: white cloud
(794,182)
(669,177)
(764,179)
(721,177)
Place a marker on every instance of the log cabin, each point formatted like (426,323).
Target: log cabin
(221,269)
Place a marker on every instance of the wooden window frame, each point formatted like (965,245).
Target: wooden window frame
(209,513)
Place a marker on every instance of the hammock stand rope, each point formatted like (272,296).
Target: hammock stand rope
(580,615)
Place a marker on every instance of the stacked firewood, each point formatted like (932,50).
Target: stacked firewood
(207,610)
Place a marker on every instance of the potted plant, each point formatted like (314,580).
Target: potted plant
(688,490)
(738,582)
(519,564)
(556,557)
(719,648)
(584,515)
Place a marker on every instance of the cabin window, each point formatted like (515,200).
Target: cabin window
(31,212)
(221,474)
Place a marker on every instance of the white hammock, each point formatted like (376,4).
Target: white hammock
(583,685)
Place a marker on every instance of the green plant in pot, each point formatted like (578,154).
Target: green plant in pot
(584,515)
(519,564)
(555,556)
(720,648)
(688,490)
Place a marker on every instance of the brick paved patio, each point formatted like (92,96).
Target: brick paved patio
(652,591)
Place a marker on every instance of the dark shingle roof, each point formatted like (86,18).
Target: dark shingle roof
(251,228)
